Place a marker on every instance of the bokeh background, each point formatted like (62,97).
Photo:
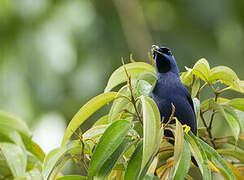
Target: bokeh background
(57,54)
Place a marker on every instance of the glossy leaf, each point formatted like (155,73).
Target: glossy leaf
(8,134)
(14,122)
(108,143)
(72,177)
(232,152)
(229,115)
(217,160)
(150,77)
(118,106)
(225,75)
(186,78)
(240,88)
(151,128)
(32,147)
(134,164)
(202,69)
(111,161)
(240,115)
(196,104)
(199,155)
(144,88)
(178,147)
(237,103)
(182,156)
(54,160)
(86,111)
(232,119)
(16,158)
(133,69)
(94,132)
(195,87)
(102,121)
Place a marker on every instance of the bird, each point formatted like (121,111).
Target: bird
(170,90)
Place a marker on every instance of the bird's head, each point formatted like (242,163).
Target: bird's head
(164,60)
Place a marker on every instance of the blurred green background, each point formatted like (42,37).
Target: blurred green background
(57,54)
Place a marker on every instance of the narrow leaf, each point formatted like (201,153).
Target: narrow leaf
(134,164)
(57,157)
(15,157)
(32,147)
(217,160)
(14,122)
(202,69)
(111,161)
(86,111)
(108,143)
(195,87)
(182,156)
(199,154)
(133,69)
(233,152)
(149,76)
(72,177)
(151,127)
(237,103)
(225,75)
(186,78)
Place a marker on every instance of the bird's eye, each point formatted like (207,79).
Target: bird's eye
(166,51)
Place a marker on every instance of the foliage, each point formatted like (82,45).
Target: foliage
(128,142)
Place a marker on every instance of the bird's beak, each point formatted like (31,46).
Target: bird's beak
(154,49)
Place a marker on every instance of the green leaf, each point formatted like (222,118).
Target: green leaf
(179,141)
(108,143)
(239,143)
(240,88)
(111,161)
(233,152)
(186,78)
(208,103)
(199,154)
(54,160)
(196,104)
(195,87)
(102,121)
(86,111)
(237,103)
(144,88)
(240,115)
(118,106)
(14,122)
(94,132)
(134,164)
(72,177)
(8,134)
(232,119)
(182,156)
(150,77)
(225,75)
(16,158)
(32,147)
(133,69)
(184,164)
(150,177)
(151,127)
(217,160)
(202,69)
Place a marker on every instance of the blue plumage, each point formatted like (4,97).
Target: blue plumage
(169,89)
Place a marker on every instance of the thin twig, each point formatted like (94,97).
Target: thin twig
(133,101)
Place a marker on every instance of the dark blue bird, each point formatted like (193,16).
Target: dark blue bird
(169,89)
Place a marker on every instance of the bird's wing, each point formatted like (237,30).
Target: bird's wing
(189,98)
